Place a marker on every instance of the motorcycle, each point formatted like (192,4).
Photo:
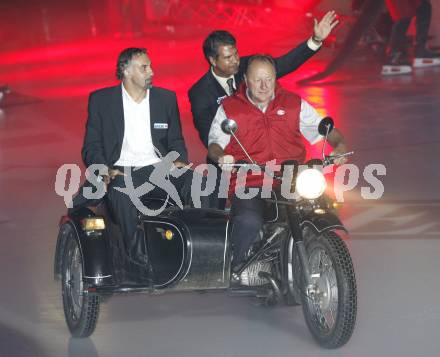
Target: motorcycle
(299,258)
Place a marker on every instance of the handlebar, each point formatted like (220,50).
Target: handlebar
(240,164)
(328,160)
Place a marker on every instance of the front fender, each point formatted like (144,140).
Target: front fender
(321,223)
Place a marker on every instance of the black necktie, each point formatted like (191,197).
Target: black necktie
(230,83)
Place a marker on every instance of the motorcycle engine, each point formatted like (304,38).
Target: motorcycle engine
(250,277)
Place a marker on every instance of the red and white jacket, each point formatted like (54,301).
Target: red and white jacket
(272,135)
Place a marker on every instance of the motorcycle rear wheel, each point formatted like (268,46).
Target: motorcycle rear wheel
(330,311)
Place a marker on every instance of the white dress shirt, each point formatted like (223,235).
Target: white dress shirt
(309,120)
(224,82)
(137,146)
(312,45)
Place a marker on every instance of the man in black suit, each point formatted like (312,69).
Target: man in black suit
(130,127)
(227,70)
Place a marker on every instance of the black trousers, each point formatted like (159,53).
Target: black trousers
(247,220)
(214,200)
(423,21)
(124,209)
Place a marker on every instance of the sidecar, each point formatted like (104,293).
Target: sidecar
(186,250)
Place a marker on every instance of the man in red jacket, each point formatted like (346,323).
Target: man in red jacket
(272,123)
(402,11)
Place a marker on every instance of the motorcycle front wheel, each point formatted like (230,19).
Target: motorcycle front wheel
(330,305)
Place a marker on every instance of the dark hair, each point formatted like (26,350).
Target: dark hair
(214,40)
(261,58)
(125,57)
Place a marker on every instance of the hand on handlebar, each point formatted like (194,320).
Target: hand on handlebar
(341,149)
(180,164)
(225,162)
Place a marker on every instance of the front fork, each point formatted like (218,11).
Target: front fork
(295,228)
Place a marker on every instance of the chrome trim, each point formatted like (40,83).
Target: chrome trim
(224,254)
(290,278)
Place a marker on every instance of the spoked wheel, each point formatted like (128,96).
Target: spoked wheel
(80,309)
(330,304)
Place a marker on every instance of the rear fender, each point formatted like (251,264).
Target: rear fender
(94,249)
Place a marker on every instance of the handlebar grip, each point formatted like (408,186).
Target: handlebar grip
(328,160)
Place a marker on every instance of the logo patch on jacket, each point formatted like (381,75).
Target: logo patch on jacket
(160,125)
(281,112)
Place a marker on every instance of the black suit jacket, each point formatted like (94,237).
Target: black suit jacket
(206,94)
(105,125)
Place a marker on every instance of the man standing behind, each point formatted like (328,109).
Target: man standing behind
(227,70)
(129,126)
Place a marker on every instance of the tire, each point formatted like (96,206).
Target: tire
(65,230)
(81,310)
(331,314)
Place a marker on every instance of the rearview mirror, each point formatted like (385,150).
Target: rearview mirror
(325,123)
(229,126)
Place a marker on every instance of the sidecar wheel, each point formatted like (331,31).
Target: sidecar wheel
(81,310)
(330,312)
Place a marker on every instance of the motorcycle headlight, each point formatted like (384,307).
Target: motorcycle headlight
(310,184)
